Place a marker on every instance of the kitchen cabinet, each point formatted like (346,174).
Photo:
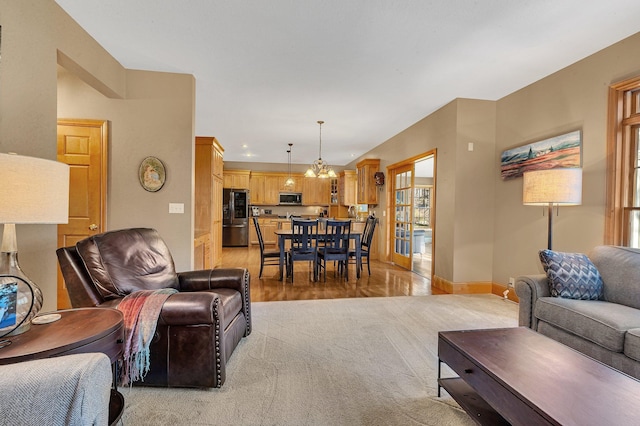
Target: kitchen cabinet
(208,177)
(265,188)
(297,183)
(367,191)
(347,187)
(316,192)
(236,179)
(272,185)
(256,189)
(268,227)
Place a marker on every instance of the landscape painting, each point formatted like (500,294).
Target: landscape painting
(562,151)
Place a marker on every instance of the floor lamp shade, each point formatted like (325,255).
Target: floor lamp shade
(32,191)
(555,186)
(559,187)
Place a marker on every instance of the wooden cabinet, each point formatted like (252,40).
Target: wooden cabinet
(208,203)
(265,188)
(316,191)
(272,185)
(367,190)
(256,189)
(268,227)
(347,187)
(236,179)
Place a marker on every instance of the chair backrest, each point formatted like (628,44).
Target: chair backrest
(259,232)
(369,228)
(304,235)
(337,233)
(117,263)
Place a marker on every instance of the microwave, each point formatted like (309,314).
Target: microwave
(290,199)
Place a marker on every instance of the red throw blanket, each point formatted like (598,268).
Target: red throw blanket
(141,311)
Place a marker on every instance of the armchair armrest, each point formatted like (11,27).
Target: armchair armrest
(191,308)
(529,288)
(210,279)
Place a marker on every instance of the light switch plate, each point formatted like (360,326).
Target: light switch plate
(176,208)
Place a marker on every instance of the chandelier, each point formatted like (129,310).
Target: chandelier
(289,183)
(320,168)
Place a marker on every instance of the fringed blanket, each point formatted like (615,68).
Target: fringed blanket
(141,311)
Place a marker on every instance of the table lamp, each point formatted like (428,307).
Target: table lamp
(552,187)
(32,191)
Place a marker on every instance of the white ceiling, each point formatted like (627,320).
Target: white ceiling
(267,71)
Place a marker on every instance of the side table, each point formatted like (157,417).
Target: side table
(77,331)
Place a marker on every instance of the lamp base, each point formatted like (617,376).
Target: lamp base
(29,297)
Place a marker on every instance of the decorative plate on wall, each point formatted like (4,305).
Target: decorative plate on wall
(152,174)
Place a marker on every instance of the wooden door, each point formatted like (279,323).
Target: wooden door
(402,209)
(82,144)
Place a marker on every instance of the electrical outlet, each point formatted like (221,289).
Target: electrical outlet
(512,282)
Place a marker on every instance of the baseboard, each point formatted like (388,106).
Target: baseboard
(450,287)
(476,287)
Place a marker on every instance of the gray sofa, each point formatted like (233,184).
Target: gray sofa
(67,390)
(607,329)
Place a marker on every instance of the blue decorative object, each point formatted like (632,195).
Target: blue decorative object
(571,275)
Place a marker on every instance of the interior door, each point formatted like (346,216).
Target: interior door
(82,144)
(402,194)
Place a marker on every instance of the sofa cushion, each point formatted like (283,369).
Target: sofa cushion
(632,344)
(620,271)
(121,262)
(600,322)
(571,275)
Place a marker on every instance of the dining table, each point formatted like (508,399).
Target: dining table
(286,234)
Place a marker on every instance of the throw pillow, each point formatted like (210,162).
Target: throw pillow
(571,275)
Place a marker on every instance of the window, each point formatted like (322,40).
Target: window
(622,225)
(422,205)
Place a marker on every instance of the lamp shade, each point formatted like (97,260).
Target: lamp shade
(553,186)
(33,190)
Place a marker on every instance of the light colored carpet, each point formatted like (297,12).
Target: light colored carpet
(366,361)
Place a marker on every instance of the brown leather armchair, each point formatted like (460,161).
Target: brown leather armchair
(199,327)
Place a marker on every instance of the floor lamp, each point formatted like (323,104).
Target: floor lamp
(553,187)
(32,191)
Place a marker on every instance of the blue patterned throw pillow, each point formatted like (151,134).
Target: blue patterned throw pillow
(571,275)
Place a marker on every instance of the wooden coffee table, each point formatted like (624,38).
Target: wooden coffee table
(77,331)
(520,377)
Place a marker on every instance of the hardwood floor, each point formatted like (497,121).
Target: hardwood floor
(385,280)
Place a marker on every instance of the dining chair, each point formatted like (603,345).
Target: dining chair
(335,246)
(304,244)
(267,257)
(365,243)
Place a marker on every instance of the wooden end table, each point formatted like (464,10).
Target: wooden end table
(520,377)
(77,331)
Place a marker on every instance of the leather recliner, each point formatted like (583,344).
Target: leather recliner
(199,326)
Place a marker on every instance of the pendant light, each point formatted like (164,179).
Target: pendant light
(320,168)
(289,183)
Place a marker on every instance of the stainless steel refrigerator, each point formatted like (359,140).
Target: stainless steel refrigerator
(235,217)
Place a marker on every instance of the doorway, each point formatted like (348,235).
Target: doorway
(412,213)
(82,144)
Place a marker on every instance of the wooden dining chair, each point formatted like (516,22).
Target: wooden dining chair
(335,246)
(365,243)
(267,257)
(304,244)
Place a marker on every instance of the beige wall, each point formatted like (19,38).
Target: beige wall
(155,118)
(149,113)
(573,98)
(464,188)
(480,219)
